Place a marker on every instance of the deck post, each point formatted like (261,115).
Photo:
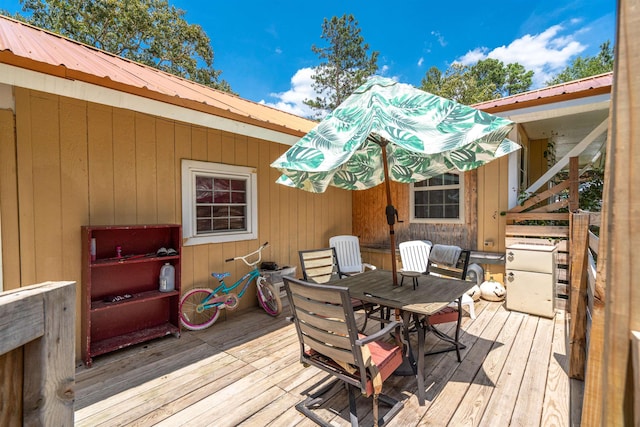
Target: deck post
(579,244)
(40,320)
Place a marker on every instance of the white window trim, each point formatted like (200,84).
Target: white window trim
(190,168)
(460,220)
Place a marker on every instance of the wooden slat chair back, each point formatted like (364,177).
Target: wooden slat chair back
(329,340)
(320,265)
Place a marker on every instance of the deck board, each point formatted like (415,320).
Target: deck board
(246,371)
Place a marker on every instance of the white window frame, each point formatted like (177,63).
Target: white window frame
(459,186)
(192,168)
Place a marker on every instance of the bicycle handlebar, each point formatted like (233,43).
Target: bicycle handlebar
(244,258)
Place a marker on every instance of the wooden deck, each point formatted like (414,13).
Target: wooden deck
(246,371)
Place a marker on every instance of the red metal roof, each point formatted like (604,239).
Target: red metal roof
(589,86)
(32,48)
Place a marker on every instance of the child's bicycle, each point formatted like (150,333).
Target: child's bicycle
(200,308)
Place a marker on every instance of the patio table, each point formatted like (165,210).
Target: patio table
(431,295)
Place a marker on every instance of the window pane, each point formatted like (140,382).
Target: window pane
(203,211)
(203,225)
(436,180)
(222,184)
(221,224)
(221,211)
(237,224)
(420,184)
(421,197)
(237,211)
(436,211)
(238,185)
(421,212)
(450,179)
(452,196)
(238,197)
(436,197)
(221,197)
(451,211)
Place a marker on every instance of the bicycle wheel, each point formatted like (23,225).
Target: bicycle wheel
(268,297)
(189,316)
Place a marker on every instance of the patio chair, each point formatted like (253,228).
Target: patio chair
(438,264)
(415,261)
(348,251)
(415,256)
(321,266)
(329,340)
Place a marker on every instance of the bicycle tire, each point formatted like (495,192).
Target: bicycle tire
(189,317)
(271,302)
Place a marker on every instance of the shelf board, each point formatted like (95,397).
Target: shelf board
(122,341)
(136,298)
(135,259)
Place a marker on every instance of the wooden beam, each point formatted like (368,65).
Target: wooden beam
(542,216)
(575,151)
(21,319)
(49,359)
(552,207)
(611,398)
(537,231)
(574,181)
(578,272)
(540,197)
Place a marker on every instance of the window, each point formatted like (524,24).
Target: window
(219,203)
(438,199)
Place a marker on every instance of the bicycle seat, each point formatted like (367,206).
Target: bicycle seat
(220,276)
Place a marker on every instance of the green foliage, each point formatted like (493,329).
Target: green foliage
(148,31)
(487,79)
(344,66)
(583,67)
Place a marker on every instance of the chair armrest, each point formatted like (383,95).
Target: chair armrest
(379,334)
(369,266)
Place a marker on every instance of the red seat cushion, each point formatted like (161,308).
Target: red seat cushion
(446,315)
(387,357)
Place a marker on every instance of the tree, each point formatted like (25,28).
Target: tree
(487,79)
(345,64)
(583,67)
(146,31)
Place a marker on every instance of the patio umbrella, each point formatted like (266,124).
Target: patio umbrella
(389,130)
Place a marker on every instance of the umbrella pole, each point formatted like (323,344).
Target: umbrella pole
(390,211)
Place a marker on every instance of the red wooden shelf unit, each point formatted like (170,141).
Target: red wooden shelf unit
(140,311)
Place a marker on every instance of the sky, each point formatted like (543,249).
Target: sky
(263,48)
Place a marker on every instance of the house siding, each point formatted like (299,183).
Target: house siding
(68,163)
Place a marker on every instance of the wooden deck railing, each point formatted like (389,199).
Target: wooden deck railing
(584,252)
(37,334)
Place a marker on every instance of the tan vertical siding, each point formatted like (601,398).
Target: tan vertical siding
(124,167)
(75,163)
(9,202)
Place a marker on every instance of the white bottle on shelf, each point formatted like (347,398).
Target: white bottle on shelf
(167,278)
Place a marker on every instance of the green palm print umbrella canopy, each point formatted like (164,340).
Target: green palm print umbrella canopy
(423,135)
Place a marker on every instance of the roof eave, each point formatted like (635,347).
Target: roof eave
(7,57)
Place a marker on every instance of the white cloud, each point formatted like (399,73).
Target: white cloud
(546,53)
(292,101)
(473,56)
(439,37)
(420,62)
